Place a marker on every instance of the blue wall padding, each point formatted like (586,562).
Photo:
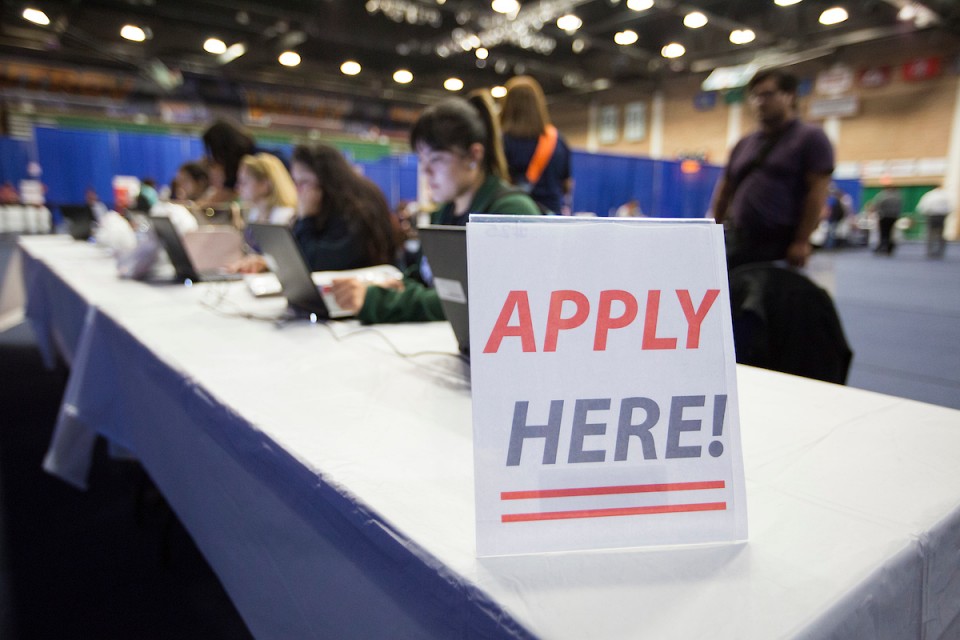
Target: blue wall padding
(72,160)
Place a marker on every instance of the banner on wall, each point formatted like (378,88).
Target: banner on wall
(634,121)
(875,77)
(834,81)
(705,100)
(835,107)
(605,404)
(609,127)
(922,68)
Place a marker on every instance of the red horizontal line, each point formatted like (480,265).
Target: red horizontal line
(606,491)
(606,513)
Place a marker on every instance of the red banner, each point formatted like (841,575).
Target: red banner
(922,68)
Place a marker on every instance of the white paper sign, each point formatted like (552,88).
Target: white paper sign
(604,386)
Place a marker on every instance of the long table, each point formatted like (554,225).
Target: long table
(328,481)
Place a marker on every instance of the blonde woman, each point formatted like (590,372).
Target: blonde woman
(266,189)
(537,155)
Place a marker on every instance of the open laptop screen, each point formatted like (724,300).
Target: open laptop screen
(445,249)
(280,249)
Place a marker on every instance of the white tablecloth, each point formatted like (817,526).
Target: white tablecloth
(329,482)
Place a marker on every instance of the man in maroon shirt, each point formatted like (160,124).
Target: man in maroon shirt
(776,181)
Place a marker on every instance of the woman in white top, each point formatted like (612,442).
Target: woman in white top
(267,191)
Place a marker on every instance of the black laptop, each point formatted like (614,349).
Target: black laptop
(282,254)
(80,219)
(445,250)
(179,258)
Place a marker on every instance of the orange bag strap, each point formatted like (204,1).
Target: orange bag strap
(542,154)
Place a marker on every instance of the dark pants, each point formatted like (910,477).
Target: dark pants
(935,242)
(886,244)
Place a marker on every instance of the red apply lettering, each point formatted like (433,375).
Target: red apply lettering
(518,303)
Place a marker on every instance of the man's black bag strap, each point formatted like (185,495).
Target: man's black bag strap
(758,160)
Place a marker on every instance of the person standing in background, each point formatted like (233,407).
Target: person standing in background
(630,209)
(191,182)
(226,143)
(935,205)
(888,206)
(538,159)
(774,187)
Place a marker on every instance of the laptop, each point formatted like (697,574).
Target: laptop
(172,243)
(445,250)
(283,256)
(79,219)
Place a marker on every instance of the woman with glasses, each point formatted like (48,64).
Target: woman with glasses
(458,145)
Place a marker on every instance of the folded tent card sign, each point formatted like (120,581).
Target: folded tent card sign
(605,408)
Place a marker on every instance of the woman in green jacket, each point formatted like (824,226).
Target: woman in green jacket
(458,146)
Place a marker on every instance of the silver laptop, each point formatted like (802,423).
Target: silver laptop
(282,254)
(179,258)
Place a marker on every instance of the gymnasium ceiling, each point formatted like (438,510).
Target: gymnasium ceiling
(433,39)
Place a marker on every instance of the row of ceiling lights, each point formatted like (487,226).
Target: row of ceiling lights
(219,48)
(692,20)
(568,23)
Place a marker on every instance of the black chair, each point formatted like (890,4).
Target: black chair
(784,322)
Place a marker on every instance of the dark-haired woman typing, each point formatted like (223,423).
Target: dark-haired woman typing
(459,149)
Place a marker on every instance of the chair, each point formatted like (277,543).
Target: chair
(784,322)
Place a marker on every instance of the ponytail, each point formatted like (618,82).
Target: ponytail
(456,124)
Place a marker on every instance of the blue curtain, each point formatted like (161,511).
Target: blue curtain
(604,182)
(14,156)
(74,160)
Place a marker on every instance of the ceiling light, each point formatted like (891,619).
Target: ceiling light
(505,6)
(578,45)
(673,50)
(742,36)
(453,84)
(350,68)
(36,16)
(402,76)
(289,58)
(626,37)
(785,3)
(214,46)
(132,32)
(482,53)
(694,20)
(233,52)
(925,18)
(498,91)
(639,5)
(834,15)
(569,23)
